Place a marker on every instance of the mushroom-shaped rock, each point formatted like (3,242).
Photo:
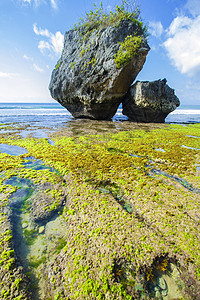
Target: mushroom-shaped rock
(96,70)
(149,101)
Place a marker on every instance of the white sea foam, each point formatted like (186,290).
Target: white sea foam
(51,113)
(33,112)
(186,112)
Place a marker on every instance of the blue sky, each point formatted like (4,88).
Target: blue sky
(32,33)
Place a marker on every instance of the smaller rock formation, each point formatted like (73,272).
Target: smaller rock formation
(149,102)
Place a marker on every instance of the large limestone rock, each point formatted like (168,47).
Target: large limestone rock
(86,80)
(149,101)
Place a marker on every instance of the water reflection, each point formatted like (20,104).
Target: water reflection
(12,150)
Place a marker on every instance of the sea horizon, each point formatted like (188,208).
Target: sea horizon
(45,112)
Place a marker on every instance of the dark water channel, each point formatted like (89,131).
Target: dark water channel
(36,164)
(29,241)
(24,191)
(19,204)
(183,182)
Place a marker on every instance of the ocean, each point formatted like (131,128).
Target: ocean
(68,204)
(53,114)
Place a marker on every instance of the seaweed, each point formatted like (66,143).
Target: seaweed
(111,250)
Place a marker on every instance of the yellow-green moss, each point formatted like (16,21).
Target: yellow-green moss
(58,65)
(128,50)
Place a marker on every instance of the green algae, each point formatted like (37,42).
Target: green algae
(30,236)
(15,194)
(13,282)
(107,251)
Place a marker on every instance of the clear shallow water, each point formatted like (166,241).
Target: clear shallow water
(12,150)
(31,241)
(53,114)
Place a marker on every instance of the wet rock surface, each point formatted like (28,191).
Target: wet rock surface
(95,247)
(86,80)
(46,203)
(149,101)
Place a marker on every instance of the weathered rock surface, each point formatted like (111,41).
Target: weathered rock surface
(149,101)
(45,204)
(86,80)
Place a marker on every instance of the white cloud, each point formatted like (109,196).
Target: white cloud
(33,65)
(54,43)
(8,75)
(27,57)
(37,68)
(38,3)
(179,24)
(54,4)
(183,44)
(43,46)
(108,8)
(156,29)
(39,31)
(26,87)
(193,6)
(192,86)
(57,41)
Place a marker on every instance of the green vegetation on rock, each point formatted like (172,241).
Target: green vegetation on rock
(98,18)
(58,65)
(128,50)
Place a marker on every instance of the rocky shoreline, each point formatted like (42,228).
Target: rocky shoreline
(93,224)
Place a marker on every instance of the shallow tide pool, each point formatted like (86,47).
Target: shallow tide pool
(12,150)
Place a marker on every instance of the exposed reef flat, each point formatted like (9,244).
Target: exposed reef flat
(118,218)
